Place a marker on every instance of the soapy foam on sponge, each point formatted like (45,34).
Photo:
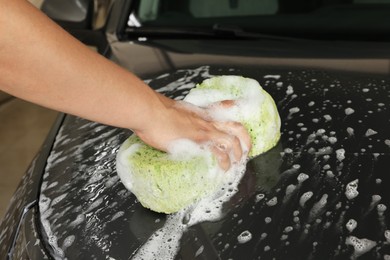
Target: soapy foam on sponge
(168,182)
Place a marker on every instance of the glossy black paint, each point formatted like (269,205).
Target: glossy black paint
(85,212)
(24,201)
(105,220)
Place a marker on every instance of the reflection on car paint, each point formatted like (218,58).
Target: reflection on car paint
(311,197)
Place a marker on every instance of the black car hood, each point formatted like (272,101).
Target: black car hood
(335,130)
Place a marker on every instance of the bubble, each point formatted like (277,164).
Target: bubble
(320,132)
(351,225)
(376,198)
(350,130)
(340,154)
(330,174)
(289,90)
(332,140)
(361,246)
(305,197)
(288,229)
(387,236)
(259,197)
(267,248)
(79,219)
(289,190)
(68,241)
(327,117)
(272,202)
(276,77)
(302,177)
(349,111)
(117,215)
(381,208)
(318,207)
(351,189)
(296,166)
(199,251)
(244,237)
(294,110)
(370,132)
(267,220)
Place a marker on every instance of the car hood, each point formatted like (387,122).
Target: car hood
(321,193)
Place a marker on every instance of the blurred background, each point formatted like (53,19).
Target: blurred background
(23,128)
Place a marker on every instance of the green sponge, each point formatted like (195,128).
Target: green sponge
(165,183)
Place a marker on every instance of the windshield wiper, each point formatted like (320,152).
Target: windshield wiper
(238,32)
(216,31)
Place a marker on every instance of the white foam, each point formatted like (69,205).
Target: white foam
(387,236)
(244,237)
(68,241)
(289,190)
(290,90)
(305,197)
(302,177)
(370,132)
(349,111)
(272,202)
(340,154)
(351,225)
(272,77)
(294,110)
(381,208)
(199,251)
(332,140)
(165,242)
(259,197)
(361,246)
(327,117)
(318,207)
(288,229)
(117,215)
(351,189)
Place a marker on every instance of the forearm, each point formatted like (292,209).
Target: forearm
(42,63)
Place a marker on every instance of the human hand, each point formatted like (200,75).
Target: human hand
(228,141)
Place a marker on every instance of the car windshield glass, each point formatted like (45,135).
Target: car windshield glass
(302,18)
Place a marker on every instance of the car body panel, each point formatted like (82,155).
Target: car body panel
(25,198)
(332,97)
(323,114)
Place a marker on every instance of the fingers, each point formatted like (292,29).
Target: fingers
(222,157)
(230,141)
(237,130)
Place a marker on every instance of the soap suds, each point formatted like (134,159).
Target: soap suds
(165,242)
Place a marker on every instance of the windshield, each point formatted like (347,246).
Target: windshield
(302,18)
